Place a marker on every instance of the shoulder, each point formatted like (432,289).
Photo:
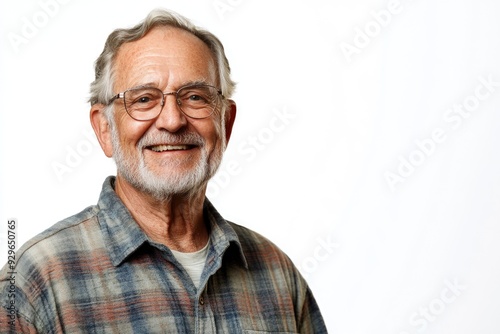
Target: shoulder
(61,238)
(258,249)
(251,238)
(270,267)
(41,264)
(62,235)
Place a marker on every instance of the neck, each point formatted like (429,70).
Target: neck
(176,222)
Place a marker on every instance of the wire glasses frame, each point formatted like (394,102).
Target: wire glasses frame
(146,103)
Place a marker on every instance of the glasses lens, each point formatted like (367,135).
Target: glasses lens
(143,103)
(198,101)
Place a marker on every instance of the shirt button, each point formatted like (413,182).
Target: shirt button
(202,301)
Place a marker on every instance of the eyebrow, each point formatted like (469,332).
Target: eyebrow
(184,84)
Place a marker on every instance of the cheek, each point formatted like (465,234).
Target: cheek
(212,134)
(220,132)
(130,133)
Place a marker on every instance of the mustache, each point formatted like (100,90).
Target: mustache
(165,137)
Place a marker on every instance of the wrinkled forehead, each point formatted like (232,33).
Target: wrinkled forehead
(166,55)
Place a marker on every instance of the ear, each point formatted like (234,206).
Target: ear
(101,128)
(230,117)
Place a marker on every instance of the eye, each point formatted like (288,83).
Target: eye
(143,99)
(194,97)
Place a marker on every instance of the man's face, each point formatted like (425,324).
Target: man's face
(172,154)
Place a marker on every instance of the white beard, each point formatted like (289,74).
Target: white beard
(166,185)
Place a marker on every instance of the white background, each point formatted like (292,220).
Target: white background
(379,256)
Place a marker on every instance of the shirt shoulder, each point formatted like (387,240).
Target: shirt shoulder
(271,267)
(54,245)
(262,252)
(254,241)
(64,236)
(42,263)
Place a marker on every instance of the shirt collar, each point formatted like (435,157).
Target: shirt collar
(121,232)
(123,235)
(222,236)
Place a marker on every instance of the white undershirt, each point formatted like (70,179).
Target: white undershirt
(193,262)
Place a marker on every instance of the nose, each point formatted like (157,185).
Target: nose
(171,117)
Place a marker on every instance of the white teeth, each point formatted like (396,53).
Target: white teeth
(161,148)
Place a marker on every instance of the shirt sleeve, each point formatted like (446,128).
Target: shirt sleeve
(17,307)
(311,321)
(14,308)
(12,322)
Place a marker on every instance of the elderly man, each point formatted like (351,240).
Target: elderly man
(154,256)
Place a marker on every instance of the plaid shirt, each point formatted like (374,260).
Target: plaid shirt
(98,272)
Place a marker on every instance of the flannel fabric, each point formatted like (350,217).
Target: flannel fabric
(98,272)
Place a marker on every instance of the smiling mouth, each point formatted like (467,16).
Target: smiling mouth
(164,148)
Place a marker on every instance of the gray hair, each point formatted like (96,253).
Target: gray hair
(101,89)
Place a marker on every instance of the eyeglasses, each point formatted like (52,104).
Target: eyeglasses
(146,103)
